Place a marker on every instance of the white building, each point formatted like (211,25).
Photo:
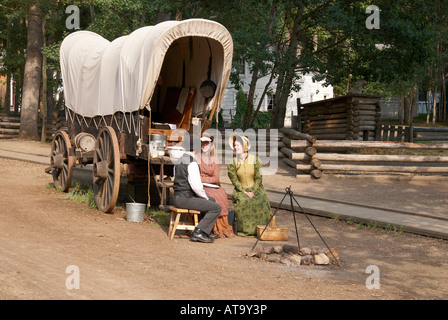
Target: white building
(310,91)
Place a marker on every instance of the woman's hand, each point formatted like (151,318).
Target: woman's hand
(250,194)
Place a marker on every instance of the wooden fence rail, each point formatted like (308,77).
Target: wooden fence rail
(430,134)
(413,134)
(395,133)
(313,157)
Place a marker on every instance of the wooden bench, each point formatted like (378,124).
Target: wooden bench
(190,221)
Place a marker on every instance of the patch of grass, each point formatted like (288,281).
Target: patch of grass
(394,229)
(335,217)
(351,220)
(158,217)
(374,225)
(81,194)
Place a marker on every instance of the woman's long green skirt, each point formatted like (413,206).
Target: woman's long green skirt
(251,212)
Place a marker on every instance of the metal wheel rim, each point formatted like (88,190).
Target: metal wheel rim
(106,149)
(62,178)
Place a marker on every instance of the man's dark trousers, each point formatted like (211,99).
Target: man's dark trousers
(209,208)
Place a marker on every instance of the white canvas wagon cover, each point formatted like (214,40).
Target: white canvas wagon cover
(102,77)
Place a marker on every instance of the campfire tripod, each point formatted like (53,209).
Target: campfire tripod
(291,197)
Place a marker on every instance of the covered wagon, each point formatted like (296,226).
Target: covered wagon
(120,94)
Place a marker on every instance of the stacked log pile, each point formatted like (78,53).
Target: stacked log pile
(293,255)
(351,117)
(341,162)
(9,126)
(304,159)
(54,126)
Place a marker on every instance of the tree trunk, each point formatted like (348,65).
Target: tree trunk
(251,96)
(434,107)
(59,105)
(8,93)
(51,94)
(413,97)
(7,102)
(400,110)
(43,109)
(443,102)
(409,105)
(284,83)
(32,76)
(92,13)
(275,107)
(266,87)
(250,119)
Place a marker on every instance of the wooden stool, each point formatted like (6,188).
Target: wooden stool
(190,222)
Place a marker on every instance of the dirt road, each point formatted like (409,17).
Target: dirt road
(45,241)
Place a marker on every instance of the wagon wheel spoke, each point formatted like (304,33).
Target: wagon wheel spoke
(106,172)
(61,162)
(107,188)
(98,154)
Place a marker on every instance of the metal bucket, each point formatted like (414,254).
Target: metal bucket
(135,211)
(157,143)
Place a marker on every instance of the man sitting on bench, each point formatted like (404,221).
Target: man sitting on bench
(189,192)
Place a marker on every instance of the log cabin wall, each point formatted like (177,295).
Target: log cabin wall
(350,117)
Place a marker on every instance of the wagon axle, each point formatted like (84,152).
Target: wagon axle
(101,169)
(57,161)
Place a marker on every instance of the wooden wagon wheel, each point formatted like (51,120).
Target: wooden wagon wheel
(61,161)
(106,169)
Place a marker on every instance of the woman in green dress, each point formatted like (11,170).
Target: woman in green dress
(251,201)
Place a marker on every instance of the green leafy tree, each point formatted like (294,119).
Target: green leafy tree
(280,39)
(388,60)
(12,49)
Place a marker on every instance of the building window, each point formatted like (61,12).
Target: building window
(271,99)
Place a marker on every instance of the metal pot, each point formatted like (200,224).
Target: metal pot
(157,143)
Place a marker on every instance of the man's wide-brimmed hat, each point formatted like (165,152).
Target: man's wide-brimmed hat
(206,137)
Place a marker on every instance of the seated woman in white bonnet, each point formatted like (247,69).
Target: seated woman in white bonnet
(251,201)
